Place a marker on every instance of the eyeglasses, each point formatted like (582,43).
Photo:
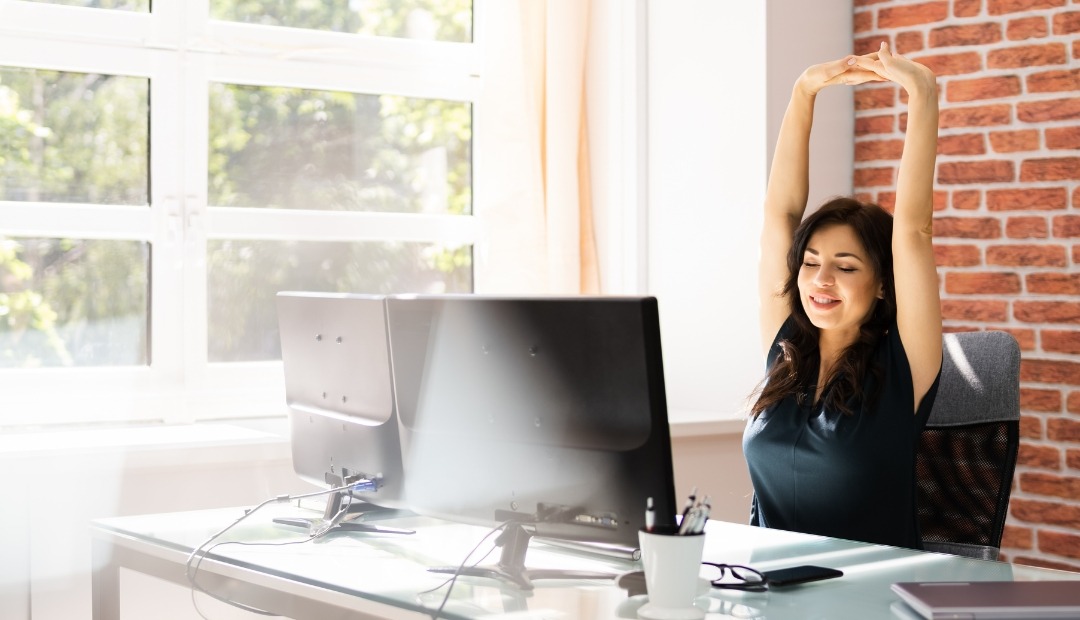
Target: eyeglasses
(736,577)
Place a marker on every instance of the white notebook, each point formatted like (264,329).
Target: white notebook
(979,600)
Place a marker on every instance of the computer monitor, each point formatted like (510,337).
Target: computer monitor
(343,425)
(548,413)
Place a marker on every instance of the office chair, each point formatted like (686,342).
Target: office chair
(967,453)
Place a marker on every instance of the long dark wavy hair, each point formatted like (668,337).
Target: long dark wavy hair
(794,371)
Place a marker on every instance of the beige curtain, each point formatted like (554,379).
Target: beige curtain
(532,124)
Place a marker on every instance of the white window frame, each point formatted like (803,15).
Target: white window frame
(181,51)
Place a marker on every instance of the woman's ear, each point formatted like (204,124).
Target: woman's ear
(881,290)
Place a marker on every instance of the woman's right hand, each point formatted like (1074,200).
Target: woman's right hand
(845,71)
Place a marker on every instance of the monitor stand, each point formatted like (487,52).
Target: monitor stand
(514,541)
(339,516)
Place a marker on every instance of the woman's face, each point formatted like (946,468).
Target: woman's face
(837,284)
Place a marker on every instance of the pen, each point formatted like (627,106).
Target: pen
(702,516)
(650,515)
(689,504)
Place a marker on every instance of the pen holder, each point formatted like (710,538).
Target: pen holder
(672,564)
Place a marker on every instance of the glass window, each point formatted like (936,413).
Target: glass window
(73,137)
(441,20)
(142,6)
(302,149)
(244,276)
(73,302)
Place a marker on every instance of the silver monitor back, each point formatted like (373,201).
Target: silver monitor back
(338,387)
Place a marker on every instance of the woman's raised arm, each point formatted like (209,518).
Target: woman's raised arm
(918,306)
(788,187)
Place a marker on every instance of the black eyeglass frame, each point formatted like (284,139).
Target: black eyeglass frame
(757,582)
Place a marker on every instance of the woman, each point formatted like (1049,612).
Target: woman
(851,327)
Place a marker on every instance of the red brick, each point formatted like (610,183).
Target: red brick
(1067,226)
(1037,483)
(1026,28)
(1067,23)
(957,255)
(1043,457)
(1059,543)
(1001,7)
(1076,254)
(907,42)
(963,144)
(1035,198)
(967,199)
(1076,198)
(1053,283)
(1054,81)
(1060,341)
(978,116)
(873,177)
(1049,401)
(1049,512)
(1027,56)
(966,8)
(1013,141)
(1063,429)
(1073,459)
(912,15)
(1031,427)
(1072,405)
(1063,137)
(869,2)
(967,227)
(1050,169)
(952,64)
(1044,563)
(1051,110)
(874,124)
(941,200)
(1047,311)
(1016,537)
(999,171)
(863,21)
(982,283)
(967,34)
(866,150)
(872,43)
(873,98)
(1026,255)
(965,310)
(1052,372)
(887,200)
(983,88)
(1026,228)
(1024,337)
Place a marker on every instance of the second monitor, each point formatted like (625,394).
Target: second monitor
(547,413)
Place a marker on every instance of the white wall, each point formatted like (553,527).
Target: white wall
(719,75)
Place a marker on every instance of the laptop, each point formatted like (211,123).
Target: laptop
(979,600)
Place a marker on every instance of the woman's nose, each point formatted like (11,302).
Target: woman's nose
(823,277)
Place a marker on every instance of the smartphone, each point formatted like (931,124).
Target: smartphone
(782,577)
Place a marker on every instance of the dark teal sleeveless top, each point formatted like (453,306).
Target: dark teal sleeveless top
(846,476)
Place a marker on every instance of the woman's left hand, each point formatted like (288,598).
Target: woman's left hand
(910,75)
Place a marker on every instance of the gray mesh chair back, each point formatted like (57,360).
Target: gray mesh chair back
(967,454)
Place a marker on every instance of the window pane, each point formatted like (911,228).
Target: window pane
(244,277)
(73,302)
(73,137)
(302,149)
(142,6)
(442,20)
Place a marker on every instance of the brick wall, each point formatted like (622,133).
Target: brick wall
(1007,222)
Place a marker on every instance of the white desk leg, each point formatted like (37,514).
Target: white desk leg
(106,582)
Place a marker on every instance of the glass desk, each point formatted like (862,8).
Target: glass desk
(365,575)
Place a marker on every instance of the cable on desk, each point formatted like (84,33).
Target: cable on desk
(190,574)
(453,579)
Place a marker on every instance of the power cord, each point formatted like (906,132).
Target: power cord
(190,571)
(457,573)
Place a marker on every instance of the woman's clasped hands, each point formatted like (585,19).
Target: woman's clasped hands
(879,66)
